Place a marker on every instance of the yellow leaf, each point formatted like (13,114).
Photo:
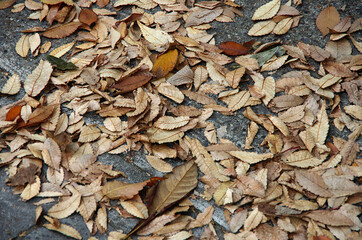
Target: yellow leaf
(165,63)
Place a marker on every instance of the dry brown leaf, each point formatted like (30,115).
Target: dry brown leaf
(184,76)
(158,164)
(330,217)
(354,110)
(176,186)
(53,2)
(62,30)
(199,97)
(339,49)
(67,207)
(64,229)
(200,76)
(302,159)
(262,28)
(54,152)
(327,19)
(202,218)
(320,128)
(233,48)
(274,64)
(12,85)
(121,190)
(170,91)
(133,82)
(137,209)
(60,51)
(89,134)
(210,133)
(283,26)
(250,186)
(157,135)
(357,44)
(251,157)
(169,123)
(158,39)
(23,46)
(205,162)
(267,85)
(6,3)
(237,221)
(237,101)
(34,41)
(101,219)
(252,131)
(202,15)
(280,125)
(253,220)
(267,10)
(31,190)
(233,78)
(328,80)
(313,183)
(87,16)
(38,79)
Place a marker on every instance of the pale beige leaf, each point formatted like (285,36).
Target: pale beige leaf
(283,26)
(250,186)
(182,77)
(137,209)
(210,133)
(302,159)
(274,64)
(200,76)
(87,207)
(157,135)
(237,221)
(330,217)
(233,78)
(354,110)
(320,128)
(357,44)
(202,218)
(214,73)
(199,97)
(31,190)
(293,114)
(101,219)
(280,125)
(267,85)
(38,79)
(115,37)
(262,28)
(252,131)
(201,15)
(156,224)
(54,152)
(163,151)
(38,212)
(302,205)
(183,235)
(141,100)
(12,86)
(157,38)
(23,46)
(253,220)
(169,123)
(158,164)
(237,101)
(339,49)
(328,80)
(62,124)
(170,91)
(251,157)
(114,124)
(267,10)
(67,207)
(176,186)
(60,51)
(313,183)
(65,230)
(205,162)
(34,41)
(89,134)
(308,139)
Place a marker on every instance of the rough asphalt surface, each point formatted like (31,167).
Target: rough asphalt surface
(17,218)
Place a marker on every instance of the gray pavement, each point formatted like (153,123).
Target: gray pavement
(17,218)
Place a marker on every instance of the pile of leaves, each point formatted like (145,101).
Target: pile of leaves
(139,74)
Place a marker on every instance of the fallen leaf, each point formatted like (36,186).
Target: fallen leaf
(330,217)
(12,85)
(62,30)
(262,28)
(267,10)
(354,110)
(157,135)
(165,63)
(64,229)
(253,220)
(67,207)
(31,190)
(137,209)
(6,3)
(327,19)
(320,128)
(157,38)
(283,26)
(38,79)
(176,186)
(23,46)
(313,183)
(202,218)
(233,48)
(202,15)
(251,157)
(200,76)
(182,77)
(169,123)
(133,82)
(234,77)
(87,16)
(54,2)
(159,164)
(170,91)
(121,190)
(302,159)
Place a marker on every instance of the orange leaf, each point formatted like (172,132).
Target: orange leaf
(321,238)
(327,19)
(102,3)
(165,63)
(87,16)
(233,48)
(62,30)
(13,113)
(154,180)
(133,82)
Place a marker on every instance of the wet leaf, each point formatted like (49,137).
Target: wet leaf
(38,79)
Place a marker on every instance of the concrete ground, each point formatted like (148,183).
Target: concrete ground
(17,218)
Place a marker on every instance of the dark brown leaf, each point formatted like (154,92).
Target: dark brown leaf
(233,48)
(87,16)
(133,82)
